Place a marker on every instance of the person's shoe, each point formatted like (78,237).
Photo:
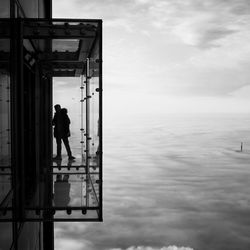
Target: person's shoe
(71,158)
(57,158)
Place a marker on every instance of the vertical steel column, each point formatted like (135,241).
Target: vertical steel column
(12,110)
(18,117)
(1,125)
(87,130)
(12,9)
(9,122)
(48,226)
(82,123)
(100,153)
(17,126)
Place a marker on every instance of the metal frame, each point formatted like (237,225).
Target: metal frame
(32,28)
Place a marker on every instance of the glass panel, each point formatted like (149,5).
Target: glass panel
(5,8)
(30,8)
(65,45)
(5,235)
(74,189)
(94,112)
(94,94)
(70,189)
(29,236)
(5,126)
(67,94)
(36,183)
(73,184)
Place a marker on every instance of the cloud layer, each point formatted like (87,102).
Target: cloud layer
(152,248)
(172,48)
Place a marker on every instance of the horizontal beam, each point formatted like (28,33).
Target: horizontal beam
(62,65)
(49,28)
(53,31)
(71,20)
(58,56)
(63,73)
(55,220)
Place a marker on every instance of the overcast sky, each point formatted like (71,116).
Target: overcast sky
(162,56)
(178,55)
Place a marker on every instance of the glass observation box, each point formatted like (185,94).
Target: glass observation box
(44,62)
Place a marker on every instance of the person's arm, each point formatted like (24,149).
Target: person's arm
(53,121)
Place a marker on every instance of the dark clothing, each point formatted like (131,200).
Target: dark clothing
(66,144)
(61,123)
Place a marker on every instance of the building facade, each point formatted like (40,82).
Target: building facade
(35,191)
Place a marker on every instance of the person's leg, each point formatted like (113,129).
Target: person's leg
(59,147)
(66,143)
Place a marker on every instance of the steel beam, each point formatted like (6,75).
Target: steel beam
(58,56)
(63,73)
(40,30)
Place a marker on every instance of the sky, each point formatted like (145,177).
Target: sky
(171,56)
(161,57)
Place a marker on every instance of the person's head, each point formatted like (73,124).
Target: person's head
(64,111)
(57,107)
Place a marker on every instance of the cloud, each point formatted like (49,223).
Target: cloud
(120,23)
(175,47)
(152,248)
(201,24)
(243,92)
(69,236)
(201,33)
(77,244)
(214,34)
(197,23)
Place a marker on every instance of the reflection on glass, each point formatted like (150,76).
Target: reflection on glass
(76,185)
(61,190)
(72,188)
(5,235)
(65,45)
(75,194)
(30,8)
(29,236)
(5,8)
(5,150)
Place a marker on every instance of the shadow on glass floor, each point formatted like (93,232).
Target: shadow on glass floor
(74,194)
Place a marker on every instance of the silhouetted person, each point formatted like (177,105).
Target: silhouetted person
(61,190)
(61,123)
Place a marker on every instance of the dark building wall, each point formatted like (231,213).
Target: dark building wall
(36,8)
(25,143)
(26,8)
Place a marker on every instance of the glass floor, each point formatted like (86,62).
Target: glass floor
(74,195)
